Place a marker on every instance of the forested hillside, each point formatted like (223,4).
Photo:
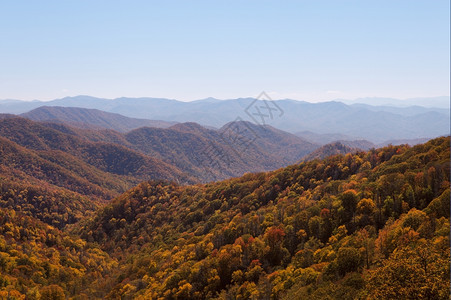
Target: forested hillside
(38,261)
(231,151)
(367,225)
(107,157)
(371,225)
(185,153)
(59,177)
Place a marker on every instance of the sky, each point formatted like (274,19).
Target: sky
(186,50)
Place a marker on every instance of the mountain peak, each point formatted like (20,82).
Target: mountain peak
(188,127)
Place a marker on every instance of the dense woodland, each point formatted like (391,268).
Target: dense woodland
(59,176)
(367,225)
(185,153)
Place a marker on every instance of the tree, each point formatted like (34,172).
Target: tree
(349,201)
(52,292)
(348,260)
(274,239)
(365,210)
(412,272)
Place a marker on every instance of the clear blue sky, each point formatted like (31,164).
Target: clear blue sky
(306,50)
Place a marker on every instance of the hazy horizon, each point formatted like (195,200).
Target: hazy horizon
(440,101)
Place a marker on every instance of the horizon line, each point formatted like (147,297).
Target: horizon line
(227,99)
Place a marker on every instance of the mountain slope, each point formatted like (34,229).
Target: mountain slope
(59,177)
(203,154)
(235,149)
(40,262)
(211,154)
(107,157)
(160,153)
(52,204)
(346,227)
(86,118)
(274,141)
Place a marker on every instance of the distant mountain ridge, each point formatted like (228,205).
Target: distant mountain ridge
(86,118)
(437,102)
(373,123)
(323,139)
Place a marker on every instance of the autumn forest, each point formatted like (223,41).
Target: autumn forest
(97,214)
(225,150)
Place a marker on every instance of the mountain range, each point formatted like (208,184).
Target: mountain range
(359,121)
(93,213)
(91,118)
(185,152)
(92,161)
